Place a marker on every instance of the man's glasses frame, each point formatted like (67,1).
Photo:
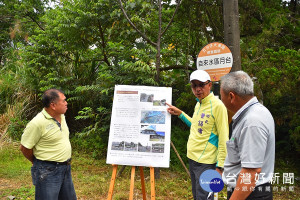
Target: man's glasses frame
(201,85)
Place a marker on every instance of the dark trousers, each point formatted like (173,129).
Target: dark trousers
(52,181)
(196,169)
(261,192)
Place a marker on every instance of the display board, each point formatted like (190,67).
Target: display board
(140,128)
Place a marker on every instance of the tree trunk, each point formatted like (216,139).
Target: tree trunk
(157,63)
(232,31)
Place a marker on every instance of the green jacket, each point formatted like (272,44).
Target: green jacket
(209,131)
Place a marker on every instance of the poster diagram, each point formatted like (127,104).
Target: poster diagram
(140,129)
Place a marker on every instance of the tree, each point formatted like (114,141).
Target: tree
(160,32)
(86,47)
(18,21)
(232,31)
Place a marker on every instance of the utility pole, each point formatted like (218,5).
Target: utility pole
(232,31)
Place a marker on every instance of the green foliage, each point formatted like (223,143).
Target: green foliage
(295,134)
(15,100)
(95,145)
(187,100)
(100,119)
(6,91)
(179,138)
(13,169)
(278,74)
(87,47)
(270,52)
(16,127)
(267,24)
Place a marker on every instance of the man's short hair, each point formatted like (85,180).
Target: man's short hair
(238,82)
(50,96)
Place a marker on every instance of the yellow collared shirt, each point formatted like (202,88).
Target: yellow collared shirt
(48,139)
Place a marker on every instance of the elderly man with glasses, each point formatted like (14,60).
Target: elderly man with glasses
(206,146)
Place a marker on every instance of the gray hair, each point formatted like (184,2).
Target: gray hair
(238,82)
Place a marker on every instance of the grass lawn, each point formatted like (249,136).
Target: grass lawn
(92,178)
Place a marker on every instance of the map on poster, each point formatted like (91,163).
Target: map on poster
(140,129)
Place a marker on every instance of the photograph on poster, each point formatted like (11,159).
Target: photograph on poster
(157,138)
(148,129)
(119,146)
(154,136)
(153,117)
(144,148)
(146,97)
(158,148)
(130,146)
(159,102)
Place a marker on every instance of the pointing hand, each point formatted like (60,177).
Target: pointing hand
(173,110)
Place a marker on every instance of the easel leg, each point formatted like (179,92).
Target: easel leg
(112,182)
(152,183)
(132,183)
(143,182)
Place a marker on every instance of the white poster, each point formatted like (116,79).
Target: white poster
(140,128)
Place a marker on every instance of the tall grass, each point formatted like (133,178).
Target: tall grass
(12,122)
(4,123)
(12,112)
(17,102)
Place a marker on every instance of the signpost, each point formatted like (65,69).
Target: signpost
(216,59)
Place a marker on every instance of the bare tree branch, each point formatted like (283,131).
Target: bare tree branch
(142,34)
(103,43)
(171,20)
(177,67)
(87,61)
(28,15)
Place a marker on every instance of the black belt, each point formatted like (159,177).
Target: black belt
(68,162)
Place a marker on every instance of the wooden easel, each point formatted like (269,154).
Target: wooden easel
(113,179)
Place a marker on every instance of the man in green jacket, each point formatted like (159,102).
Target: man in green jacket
(206,146)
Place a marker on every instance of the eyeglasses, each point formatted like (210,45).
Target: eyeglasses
(202,85)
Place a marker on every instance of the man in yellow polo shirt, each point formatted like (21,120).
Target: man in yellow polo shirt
(45,142)
(206,147)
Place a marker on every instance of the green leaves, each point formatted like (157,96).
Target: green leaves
(86,47)
(85,113)
(278,74)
